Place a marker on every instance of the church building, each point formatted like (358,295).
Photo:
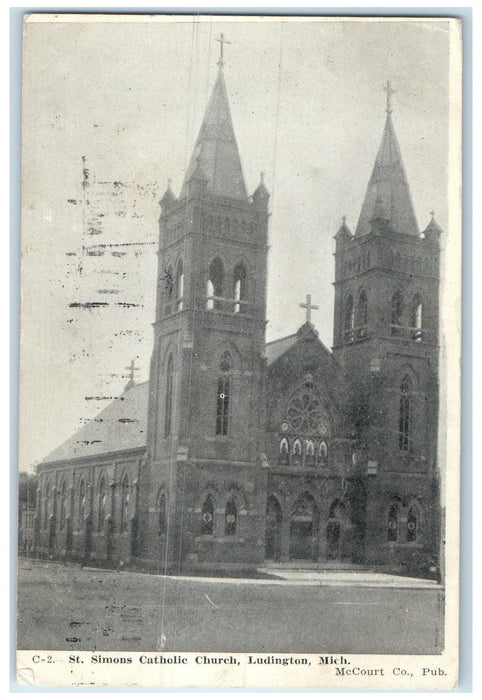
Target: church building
(238,452)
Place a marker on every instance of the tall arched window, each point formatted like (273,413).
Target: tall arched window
(162,514)
(215,285)
(393,517)
(323,451)
(47,502)
(230,517)
(309,452)
(239,288)
(169,396)
(284,449)
(179,286)
(223,396)
(207,516)
(82,502)
(404,437)
(63,505)
(362,314)
(396,314)
(125,498)
(417,318)
(101,504)
(169,291)
(412,524)
(349,318)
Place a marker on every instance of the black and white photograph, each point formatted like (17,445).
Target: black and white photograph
(240,351)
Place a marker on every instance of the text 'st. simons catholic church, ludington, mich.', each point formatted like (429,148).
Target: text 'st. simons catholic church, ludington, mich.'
(237,453)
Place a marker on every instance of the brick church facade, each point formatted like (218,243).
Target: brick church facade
(237,452)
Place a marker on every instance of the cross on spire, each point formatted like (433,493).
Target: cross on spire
(309,307)
(390,91)
(132,369)
(222,41)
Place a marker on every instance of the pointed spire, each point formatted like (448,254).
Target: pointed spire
(261,194)
(216,150)
(168,198)
(388,202)
(343,232)
(433,229)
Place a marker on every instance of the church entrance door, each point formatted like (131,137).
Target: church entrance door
(274,519)
(304,528)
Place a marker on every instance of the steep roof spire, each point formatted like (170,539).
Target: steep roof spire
(216,151)
(388,199)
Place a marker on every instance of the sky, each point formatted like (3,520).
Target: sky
(308,110)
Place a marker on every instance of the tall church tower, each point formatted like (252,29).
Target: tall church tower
(386,337)
(203,488)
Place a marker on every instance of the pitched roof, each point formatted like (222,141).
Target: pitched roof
(122,425)
(388,194)
(216,151)
(278,347)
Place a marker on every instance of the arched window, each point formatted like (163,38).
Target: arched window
(412,524)
(396,314)
(393,517)
(239,288)
(215,285)
(162,514)
(63,505)
(310,452)
(82,502)
(323,451)
(297,451)
(223,396)
(179,286)
(284,449)
(101,504)
(230,517)
(417,318)
(169,396)
(125,498)
(169,291)
(362,314)
(47,502)
(349,318)
(207,516)
(404,437)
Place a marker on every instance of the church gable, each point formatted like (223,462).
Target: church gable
(120,426)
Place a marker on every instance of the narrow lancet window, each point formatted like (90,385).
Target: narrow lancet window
(101,503)
(214,291)
(396,314)
(231,517)
(392,531)
(417,318)
(169,396)
(349,319)
(412,524)
(179,286)
(404,439)
(362,315)
(207,516)
(125,498)
(223,396)
(239,291)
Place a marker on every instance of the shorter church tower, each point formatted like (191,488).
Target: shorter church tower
(203,491)
(386,337)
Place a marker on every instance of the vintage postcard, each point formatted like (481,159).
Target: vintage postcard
(240,352)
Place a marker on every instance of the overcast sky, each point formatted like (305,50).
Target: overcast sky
(308,109)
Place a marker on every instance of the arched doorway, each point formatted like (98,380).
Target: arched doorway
(274,519)
(335,529)
(304,525)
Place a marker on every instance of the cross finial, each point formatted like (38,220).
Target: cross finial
(432,213)
(309,307)
(390,91)
(343,218)
(261,177)
(132,368)
(222,41)
(169,181)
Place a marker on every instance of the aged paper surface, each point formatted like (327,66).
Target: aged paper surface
(219,488)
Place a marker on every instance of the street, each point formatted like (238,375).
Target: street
(70,608)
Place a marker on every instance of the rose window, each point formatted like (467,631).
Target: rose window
(304,411)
